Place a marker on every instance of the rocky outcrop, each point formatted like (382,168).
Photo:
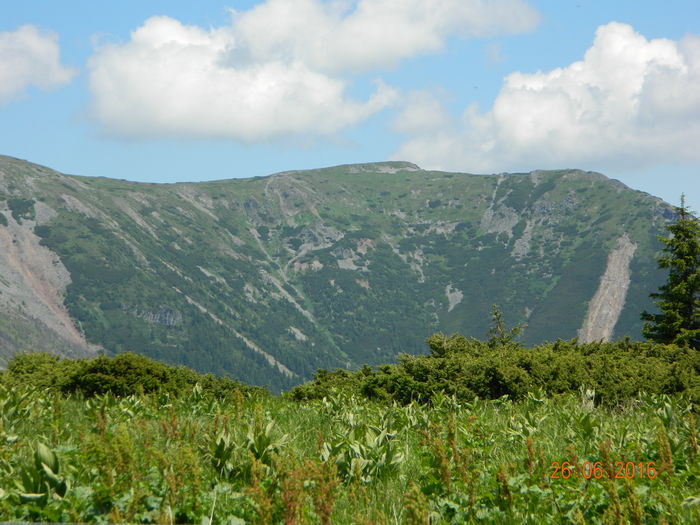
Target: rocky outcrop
(164,315)
(32,286)
(500,219)
(454,296)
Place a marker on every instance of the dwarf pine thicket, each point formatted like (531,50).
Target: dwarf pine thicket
(466,368)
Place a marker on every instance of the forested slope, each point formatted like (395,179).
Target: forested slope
(268,279)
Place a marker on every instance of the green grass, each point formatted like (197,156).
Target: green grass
(154,458)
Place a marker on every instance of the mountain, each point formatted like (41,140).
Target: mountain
(268,279)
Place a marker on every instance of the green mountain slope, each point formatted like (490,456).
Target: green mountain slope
(268,279)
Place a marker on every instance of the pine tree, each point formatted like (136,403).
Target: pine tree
(498,334)
(678,300)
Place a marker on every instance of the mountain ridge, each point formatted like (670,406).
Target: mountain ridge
(268,278)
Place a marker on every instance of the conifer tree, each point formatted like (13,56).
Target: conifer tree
(678,300)
(498,334)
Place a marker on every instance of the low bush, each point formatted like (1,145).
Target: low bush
(40,370)
(326,383)
(468,368)
(122,375)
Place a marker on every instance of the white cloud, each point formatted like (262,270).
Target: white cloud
(368,34)
(629,102)
(174,80)
(29,56)
(279,69)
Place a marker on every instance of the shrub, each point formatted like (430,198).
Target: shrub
(21,208)
(325,383)
(40,369)
(122,375)
(467,368)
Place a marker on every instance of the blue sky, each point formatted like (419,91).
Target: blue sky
(180,91)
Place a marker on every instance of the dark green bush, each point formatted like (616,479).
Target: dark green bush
(122,375)
(41,370)
(467,368)
(21,208)
(326,383)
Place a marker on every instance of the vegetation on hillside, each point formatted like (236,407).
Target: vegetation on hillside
(326,268)
(192,454)
(467,368)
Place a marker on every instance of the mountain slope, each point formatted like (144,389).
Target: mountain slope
(268,279)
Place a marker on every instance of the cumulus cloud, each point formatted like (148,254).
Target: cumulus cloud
(629,102)
(176,81)
(29,56)
(280,68)
(347,36)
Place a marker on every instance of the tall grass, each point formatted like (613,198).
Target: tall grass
(253,458)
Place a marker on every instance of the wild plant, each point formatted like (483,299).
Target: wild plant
(416,506)
(505,497)
(231,457)
(665,466)
(182,475)
(324,485)
(259,491)
(261,440)
(530,417)
(13,409)
(363,452)
(13,405)
(42,480)
(293,494)
(225,456)
(200,404)
(692,438)
(634,506)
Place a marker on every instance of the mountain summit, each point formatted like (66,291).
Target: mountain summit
(268,279)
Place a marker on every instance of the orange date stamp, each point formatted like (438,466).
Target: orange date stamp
(596,470)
